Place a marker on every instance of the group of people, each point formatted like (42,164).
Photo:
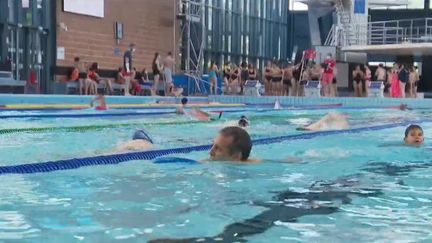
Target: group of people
(133,81)
(400,81)
(278,78)
(233,143)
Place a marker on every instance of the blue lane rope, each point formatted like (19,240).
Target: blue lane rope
(172,106)
(85,115)
(70,164)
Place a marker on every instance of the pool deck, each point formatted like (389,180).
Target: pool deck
(28,101)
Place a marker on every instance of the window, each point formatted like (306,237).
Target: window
(399,4)
(296,6)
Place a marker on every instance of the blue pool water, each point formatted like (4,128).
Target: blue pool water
(336,188)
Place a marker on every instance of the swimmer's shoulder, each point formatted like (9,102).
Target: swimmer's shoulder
(135,145)
(387,145)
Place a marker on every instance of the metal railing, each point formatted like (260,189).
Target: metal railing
(400,31)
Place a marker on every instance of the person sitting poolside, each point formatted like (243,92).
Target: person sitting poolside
(414,136)
(232,144)
(141,141)
(332,121)
(100,101)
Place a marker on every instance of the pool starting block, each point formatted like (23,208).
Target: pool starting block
(312,88)
(376,89)
(253,88)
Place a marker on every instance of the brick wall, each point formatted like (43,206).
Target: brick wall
(147,23)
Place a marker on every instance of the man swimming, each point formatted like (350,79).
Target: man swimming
(243,122)
(195,112)
(232,144)
(181,109)
(141,141)
(332,121)
(414,136)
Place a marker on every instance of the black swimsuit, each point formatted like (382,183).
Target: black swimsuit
(252,74)
(226,74)
(155,69)
(286,81)
(358,78)
(245,75)
(268,77)
(276,79)
(234,76)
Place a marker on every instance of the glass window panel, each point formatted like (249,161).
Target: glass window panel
(296,6)
(393,4)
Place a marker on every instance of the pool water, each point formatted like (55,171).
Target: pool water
(360,187)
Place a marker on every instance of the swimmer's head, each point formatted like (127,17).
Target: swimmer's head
(403,107)
(232,144)
(142,135)
(243,122)
(184,101)
(414,135)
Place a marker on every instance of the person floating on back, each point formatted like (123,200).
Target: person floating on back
(414,136)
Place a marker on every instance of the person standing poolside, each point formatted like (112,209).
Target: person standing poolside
(403,80)
(244,76)
(381,73)
(358,81)
(287,79)
(395,83)
(328,74)
(168,65)
(127,67)
(268,78)
(213,78)
(368,79)
(157,67)
(277,86)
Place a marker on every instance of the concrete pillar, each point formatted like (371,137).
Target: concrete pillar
(425,84)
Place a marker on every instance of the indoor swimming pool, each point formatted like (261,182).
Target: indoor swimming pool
(357,185)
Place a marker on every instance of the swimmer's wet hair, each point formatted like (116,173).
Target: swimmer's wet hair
(184,101)
(242,142)
(412,127)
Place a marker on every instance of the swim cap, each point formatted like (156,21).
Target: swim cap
(142,135)
(184,101)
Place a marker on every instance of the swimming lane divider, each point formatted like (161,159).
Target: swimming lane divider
(85,115)
(70,164)
(92,127)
